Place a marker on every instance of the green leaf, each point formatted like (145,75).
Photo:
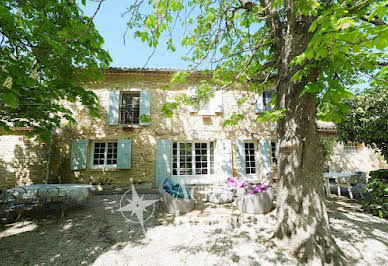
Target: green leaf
(322,53)
(381,43)
(313,26)
(309,53)
(11,100)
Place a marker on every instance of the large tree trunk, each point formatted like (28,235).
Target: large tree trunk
(302,222)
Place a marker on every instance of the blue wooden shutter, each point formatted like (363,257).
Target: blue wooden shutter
(113,115)
(145,105)
(241,168)
(265,156)
(259,103)
(163,161)
(124,153)
(223,159)
(79,154)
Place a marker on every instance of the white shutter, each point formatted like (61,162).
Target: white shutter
(217,102)
(259,103)
(241,168)
(265,148)
(223,158)
(213,106)
(191,92)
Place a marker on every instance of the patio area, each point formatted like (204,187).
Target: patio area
(96,233)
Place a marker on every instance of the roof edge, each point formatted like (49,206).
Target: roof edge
(165,71)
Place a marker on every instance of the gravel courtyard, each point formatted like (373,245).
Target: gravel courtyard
(95,233)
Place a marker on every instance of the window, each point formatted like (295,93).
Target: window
(250,161)
(192,158)
(129,108)
(274,159)
(350,147)
(104,155)
(267,97)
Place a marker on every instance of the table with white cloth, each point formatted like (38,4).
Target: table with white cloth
(18,199)
(342,178)
(74,192)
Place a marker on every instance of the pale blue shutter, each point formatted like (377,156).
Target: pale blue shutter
(223,159)
(218,102)
(124,153)
(241,168)
(113,115)
(79,154)
(259,103)
(163,161)
(145,105)
(265,156)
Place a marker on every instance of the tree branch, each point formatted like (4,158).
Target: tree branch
(374,21)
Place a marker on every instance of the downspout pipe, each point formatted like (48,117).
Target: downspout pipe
(49,156)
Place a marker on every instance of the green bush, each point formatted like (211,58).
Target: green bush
(378,187)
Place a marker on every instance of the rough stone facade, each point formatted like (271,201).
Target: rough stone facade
(24,161)
(183,126)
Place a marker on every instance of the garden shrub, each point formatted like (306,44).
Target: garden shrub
(378,188)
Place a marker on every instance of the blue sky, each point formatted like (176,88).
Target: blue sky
(134,53)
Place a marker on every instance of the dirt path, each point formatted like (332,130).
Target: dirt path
(96,233)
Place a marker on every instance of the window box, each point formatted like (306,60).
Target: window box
(127,128)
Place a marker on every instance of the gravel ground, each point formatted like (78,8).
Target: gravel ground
(96,233)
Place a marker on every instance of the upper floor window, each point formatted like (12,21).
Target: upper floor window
(192,158)
(129,108)
(350,147)
(250,160)
(267,97)
(104,154)
(274,159)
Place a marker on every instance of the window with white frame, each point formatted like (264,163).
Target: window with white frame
(250,160)
(350,147)
(130,108)
(192,158)
(104,154)
(274,159)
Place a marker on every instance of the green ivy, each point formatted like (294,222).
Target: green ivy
(378,187)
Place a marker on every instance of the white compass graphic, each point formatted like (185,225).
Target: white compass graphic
(138,206)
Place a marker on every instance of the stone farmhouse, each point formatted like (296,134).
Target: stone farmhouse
(193,146)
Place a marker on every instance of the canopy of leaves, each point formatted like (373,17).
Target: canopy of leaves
(48,49)
(367,120)
(242,41)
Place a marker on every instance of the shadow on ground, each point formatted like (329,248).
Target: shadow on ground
(96,233)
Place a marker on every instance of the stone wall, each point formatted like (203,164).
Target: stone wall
(183,126)
(23,161)
(363,159)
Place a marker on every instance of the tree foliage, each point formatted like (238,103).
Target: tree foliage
(238,39)
(367,120)
(49,49)
(312,51)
